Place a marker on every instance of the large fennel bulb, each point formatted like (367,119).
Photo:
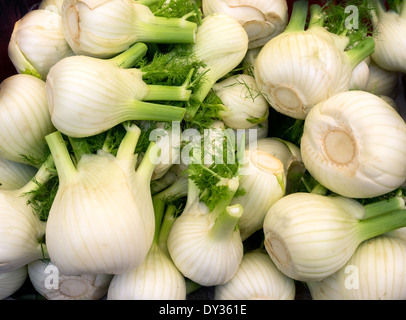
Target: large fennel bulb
(21,229)
(24,117)
(257,278)
(89,95)
(261,19)
(157,278)
(103,28)
(11,281)
(48,281)
(206,245)
(15,175)
(311,236)
(354,144)
(244,105)
(102,219)
(37,43)
(390,47)
(374,272)
(300,68)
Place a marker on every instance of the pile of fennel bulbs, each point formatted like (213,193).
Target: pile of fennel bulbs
(204,149)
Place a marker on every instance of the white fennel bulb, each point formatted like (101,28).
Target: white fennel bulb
(21,228)
(37,42)
(104,28)
(389,26)
(102,219)
(221,44)
(300,68)
(88,95)
(354,144)
(15,175)
(374,272)
(360,76)
(24,117)
(244,105)
(381,81)
(157,278)
(257,278)
(48,281)
(206,245)
(261,19)
(263,180)
(311,236)
(11,281)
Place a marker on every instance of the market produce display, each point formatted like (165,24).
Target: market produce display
(212,149)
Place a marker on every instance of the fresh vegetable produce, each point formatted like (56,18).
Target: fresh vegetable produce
(155,160)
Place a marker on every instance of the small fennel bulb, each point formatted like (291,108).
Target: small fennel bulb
(389,26)
(244,105)
(102,219)
(157,278)
(15,175)
(11,281)
(21,229)
(311,236)
(360,76)
(104,28)
(382,82)
(354,144)
(89,95)
(261,19)
(37,42)
(300,68)
(374,272)
(53,285)
(257,278)
(206,245)
(24,117)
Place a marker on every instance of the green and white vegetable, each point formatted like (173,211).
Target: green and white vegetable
(102,219)
(354,144)
(300,68)
(157,278)
(53,285)
(310,236)
(24,117)
(257,278)
(244,105)
(381,81)
(124,22)
(37,42)
(88,96)
(261,19)
(15,175)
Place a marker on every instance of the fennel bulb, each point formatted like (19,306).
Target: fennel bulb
(354,144)
(37,42)
(102,219)
(24,118)
(11,281)
(157,278)
(261,19)
(15,175)
(89,95)
(389,26)
(21,229)
(104,28)
(244,105)
(382,82)
(311,236)
(300,68)
(221,44)
(360,76)
(257,278)
(374,272)
(53,285)
(206,245)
